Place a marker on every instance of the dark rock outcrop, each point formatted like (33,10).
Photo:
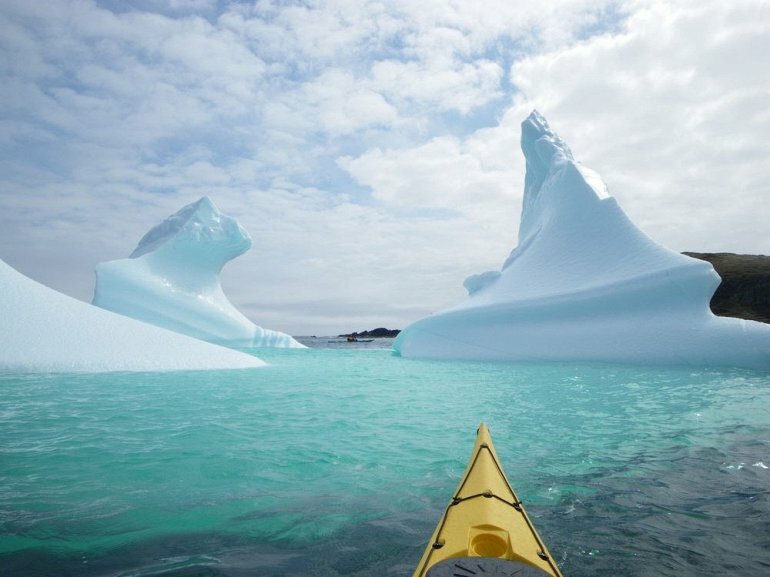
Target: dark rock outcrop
(745,289)
(377,333)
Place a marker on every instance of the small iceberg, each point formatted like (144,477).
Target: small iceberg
(172,280)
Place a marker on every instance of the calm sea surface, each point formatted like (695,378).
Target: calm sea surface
(339,460)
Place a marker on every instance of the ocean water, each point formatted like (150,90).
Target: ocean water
(338,460)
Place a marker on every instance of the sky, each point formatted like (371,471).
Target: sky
(370,147)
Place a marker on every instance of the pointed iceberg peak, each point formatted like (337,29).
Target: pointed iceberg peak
(199,223)
(543,149)
(549,160)
(540,144)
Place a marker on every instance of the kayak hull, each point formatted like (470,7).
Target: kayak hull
(485,524)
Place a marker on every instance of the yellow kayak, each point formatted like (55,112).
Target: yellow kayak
(485,530)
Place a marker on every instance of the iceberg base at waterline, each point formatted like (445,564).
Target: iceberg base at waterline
(572,331)
(47,331)
(585,284)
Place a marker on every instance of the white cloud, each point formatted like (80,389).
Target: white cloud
(304,37)
(370,148)
(441,174)
(444,83)
(673,113)
(348,253)
(541,24)
(335,102)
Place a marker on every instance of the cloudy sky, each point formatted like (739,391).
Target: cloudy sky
(370,147)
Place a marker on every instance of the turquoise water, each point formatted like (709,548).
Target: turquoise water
(339,461)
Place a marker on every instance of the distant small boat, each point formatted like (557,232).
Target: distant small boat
(357,340)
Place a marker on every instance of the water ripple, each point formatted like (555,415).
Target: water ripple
(339,462)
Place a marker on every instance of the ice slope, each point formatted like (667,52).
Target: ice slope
(585,284)
(172,280)
(46,331)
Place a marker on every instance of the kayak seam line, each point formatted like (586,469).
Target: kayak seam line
(457,500)
(517,505)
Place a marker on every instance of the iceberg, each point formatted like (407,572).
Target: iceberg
(172,280)
(46,331)
(584,284)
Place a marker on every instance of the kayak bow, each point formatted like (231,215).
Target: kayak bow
(485,529)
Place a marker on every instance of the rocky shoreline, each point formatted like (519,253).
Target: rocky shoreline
(378,333)
(745,288)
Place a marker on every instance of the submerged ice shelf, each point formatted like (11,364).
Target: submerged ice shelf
(172,280)
(584,284)
(46,331)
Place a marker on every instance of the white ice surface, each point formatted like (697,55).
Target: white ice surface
(584,284)
(46,331)
(172,280)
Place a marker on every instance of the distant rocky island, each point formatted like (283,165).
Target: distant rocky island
(745,289)
(378,333)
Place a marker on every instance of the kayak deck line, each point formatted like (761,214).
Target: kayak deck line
(485,526)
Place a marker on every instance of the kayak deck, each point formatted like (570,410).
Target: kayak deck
(485,529)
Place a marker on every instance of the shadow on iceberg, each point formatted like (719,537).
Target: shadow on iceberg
(584,284)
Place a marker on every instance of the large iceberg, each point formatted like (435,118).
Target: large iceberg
(584,284)
(172,280)
(46,331)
